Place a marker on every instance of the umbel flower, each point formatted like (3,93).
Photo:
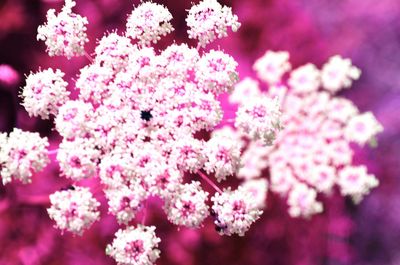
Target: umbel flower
(135,125)
(312,152)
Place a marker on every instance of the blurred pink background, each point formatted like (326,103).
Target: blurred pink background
(366,31)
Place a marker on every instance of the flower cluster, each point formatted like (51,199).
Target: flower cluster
(259,118)
(22,154)
(44,93)
(187,207)
(136,124)
(64,33)
(135,246)
(148,22)
(234,211)
(73,209)
(209,20)
(272,66)
(313,151)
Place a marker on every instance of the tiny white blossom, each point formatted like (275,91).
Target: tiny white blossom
(187,205)
(272,66)
(234,211)
(303,201)
(135,246)
(260,119)
(338,73)
(74,209)
(244,91)
(216,72)
(148,22)
(356,182)
(44,92)
(78,159)
(362,128)
(223,156)
(22,154)
(64,33)
(73,119)
(209,20)
(258,189)
(305,79)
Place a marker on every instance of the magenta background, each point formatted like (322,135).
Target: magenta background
(367,31)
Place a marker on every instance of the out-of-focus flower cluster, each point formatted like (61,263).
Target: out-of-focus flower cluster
(313,152)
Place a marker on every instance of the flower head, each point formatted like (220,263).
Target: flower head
(148,22)
(187,205)
(222,156)
(362,128)
(272,66)
(209,20)
(356,182)
(64,33)
(73,209)
(44,93)
(234,211)
(22,154)
(338,73)
(260,119)
(135,246)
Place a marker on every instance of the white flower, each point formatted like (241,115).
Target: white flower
(305,79)
(216,72)
(113,51)
(323,177)
(74,209)
(254,160)
(303,201)
(356,182)
(73,119)
(188,154)
(272,66)
(362,128)
(64,33)
(22,154)
(245,90)
(78,159)
(135,246)
(234,211)
(148,22)
(44,92)
(338,73)
(209,20)
(125,201)
(258,189)
(259,119)
(187,205)
(223,156)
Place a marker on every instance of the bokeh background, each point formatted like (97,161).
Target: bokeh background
(367,31)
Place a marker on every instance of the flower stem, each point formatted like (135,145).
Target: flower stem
(89,57)
(209,181)
(52,152)
(144,213)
